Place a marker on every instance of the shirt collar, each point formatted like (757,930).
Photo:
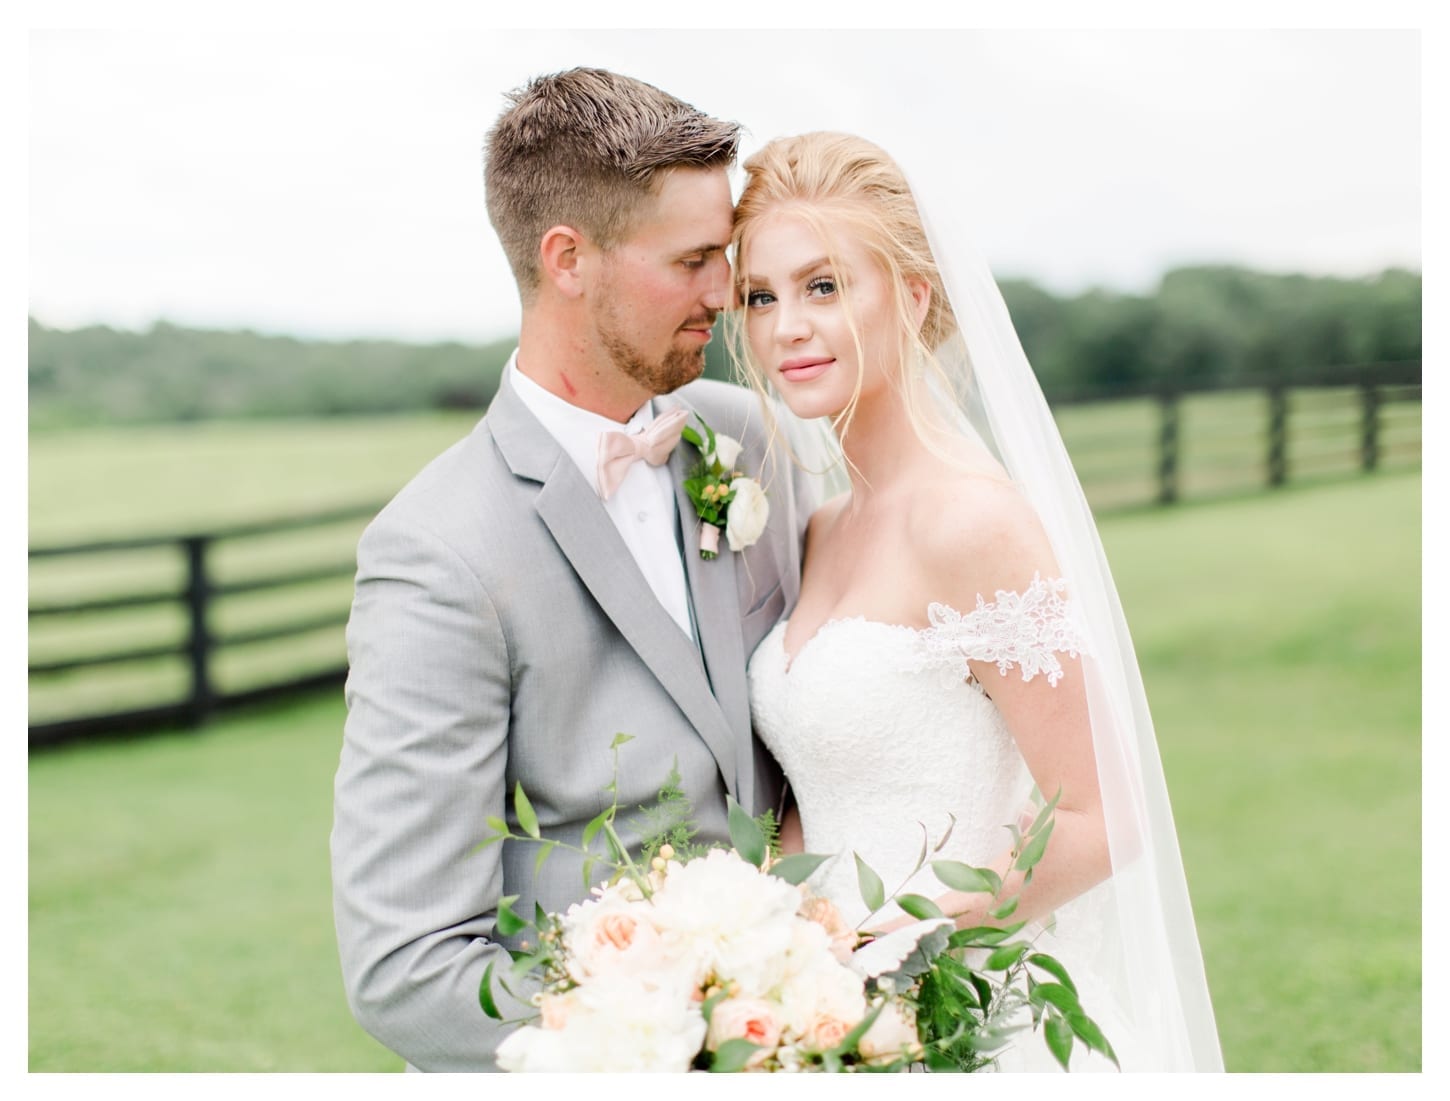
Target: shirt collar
(576,430)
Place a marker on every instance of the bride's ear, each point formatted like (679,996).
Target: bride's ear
(920,291)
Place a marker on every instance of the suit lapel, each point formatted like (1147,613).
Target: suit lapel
(585,535)
(716,599)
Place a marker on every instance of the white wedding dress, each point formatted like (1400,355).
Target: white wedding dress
(882,730)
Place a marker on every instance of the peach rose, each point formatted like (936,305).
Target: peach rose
(753,1019)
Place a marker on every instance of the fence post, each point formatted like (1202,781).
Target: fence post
(1369,426)
(198,596)
(1168,447)
(1278,425)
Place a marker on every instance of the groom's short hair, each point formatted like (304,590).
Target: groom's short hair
(585,148)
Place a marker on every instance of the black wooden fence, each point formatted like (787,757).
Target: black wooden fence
(1359,441)
(200,644)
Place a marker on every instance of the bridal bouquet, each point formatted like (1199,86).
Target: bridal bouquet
(723,961)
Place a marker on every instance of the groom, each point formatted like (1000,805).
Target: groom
(512,615)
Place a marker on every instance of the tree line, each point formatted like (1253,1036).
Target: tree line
(1201,325)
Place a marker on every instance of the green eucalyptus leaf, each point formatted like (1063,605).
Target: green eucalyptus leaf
(544,850)
(589,862)
(620,739)
(485,993)
(797,868)
(1088,1032)
(1045,813)
(689,435)
(498,825)
(732,1056)
(951,825)
(707,1007)
(508,923)
(873,891)
(920,907)
(964,877)
(1004,957)
(540,918)
(1034,849)
(524,811)
(984,936)
(1050,964)
(1006,910)
(1058,1034)
(745,834)
(596,824)
(1056,995)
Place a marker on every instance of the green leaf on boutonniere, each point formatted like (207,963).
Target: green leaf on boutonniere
(1058,1034)
(524,811)
(689,435)
(745,834)
(797,868)
(963,877)
(920,907)
(508,923)
(732,1056)
(873,891)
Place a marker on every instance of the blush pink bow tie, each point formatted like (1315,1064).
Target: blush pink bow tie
(618,450)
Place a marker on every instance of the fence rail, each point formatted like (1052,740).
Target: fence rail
(1133,449)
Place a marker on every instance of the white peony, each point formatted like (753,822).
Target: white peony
(727,450)
(749,510)
(731,918)
(613,933)
(614,1025)
(891,1035)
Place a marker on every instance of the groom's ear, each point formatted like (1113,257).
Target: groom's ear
(561,250)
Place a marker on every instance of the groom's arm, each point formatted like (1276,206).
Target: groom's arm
(422,765)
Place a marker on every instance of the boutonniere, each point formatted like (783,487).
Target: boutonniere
(724,499)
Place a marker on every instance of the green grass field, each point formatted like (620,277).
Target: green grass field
(179,908)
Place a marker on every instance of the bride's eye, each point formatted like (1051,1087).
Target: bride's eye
(759,298)
(822,286)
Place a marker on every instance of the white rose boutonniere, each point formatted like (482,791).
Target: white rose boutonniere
(749,510)
(724,499)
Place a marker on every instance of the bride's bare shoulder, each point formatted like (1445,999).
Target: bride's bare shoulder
(976,533)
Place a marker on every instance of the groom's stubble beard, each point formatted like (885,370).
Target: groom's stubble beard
(660,375)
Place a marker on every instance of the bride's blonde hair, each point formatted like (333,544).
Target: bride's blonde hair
(841,185)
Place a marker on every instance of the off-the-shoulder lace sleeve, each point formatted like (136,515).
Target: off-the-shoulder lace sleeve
(1027,630)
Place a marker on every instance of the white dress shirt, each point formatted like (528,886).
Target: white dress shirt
(642,508)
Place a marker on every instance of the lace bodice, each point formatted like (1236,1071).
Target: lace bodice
(882,729)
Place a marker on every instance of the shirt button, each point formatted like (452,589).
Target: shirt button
(642,517)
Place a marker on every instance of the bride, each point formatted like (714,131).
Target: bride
(958,639)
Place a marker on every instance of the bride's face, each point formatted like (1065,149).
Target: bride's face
(800,309)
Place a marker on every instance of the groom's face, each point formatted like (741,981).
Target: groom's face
(660,290)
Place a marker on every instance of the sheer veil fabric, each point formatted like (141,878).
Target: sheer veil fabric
(1148,951)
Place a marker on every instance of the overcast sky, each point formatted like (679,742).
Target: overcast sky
(329,184)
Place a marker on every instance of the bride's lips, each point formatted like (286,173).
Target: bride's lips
(805,368)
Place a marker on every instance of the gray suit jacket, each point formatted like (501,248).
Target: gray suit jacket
(501,632)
